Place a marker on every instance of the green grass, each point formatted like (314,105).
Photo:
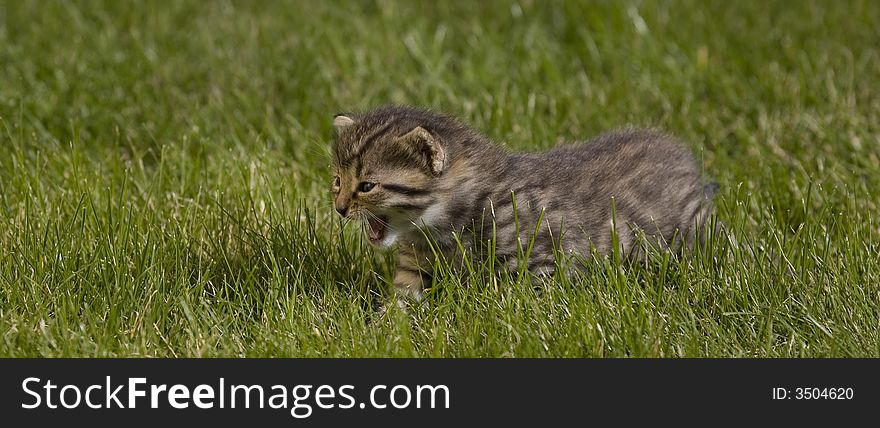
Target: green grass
(164,174)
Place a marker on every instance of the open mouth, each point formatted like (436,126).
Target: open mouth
(376,230)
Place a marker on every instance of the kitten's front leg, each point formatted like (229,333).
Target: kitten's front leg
(410,280)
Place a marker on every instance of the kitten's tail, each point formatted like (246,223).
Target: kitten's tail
(704,213)
(709,190)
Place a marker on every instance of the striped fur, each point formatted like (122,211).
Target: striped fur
(430,172)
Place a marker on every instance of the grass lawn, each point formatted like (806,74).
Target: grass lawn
(164,181)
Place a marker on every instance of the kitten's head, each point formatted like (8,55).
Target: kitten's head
(386,165)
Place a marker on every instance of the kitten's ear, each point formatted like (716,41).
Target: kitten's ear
(341,121)
(420,141)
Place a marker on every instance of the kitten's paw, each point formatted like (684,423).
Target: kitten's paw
(391,306)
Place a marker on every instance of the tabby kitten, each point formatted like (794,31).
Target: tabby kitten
(405,171)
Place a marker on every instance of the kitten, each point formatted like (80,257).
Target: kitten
(405,171)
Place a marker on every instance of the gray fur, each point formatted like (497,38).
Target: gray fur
(652,178)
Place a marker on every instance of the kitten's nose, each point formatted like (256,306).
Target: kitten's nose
(342,210)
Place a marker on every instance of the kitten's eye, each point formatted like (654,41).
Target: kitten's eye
(366,186)
(336,181)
